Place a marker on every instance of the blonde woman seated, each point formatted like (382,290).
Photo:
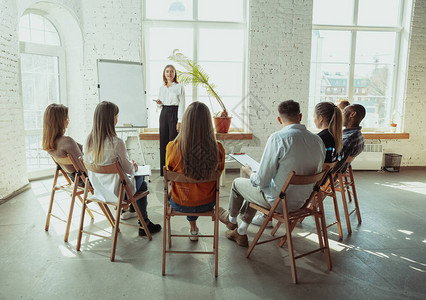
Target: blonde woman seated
(55,122)
(103,147)
(328,118)
(196,154)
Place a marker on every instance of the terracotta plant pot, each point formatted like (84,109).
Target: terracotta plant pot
(222,124)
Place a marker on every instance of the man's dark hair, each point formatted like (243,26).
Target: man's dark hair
(289,110)
(360,112)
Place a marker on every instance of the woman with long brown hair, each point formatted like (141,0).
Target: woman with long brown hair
(196,154)
(172,103)
(55,142)
(103,147)
(328,118)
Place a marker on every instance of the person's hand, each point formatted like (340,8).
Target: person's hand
(178,126)
(247,170)
(135,165)
(159,102)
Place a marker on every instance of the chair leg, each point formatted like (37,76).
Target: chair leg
(52,197)
(358,213)
(257,237)
(317,224)
(67,231)
(284,239)
(80,228)
(337,214)
(291,251)
(87,208)
(165,229)
(325,235)
(345,204)
(275,229)
(107,213)
(216,245)
(169,233)
(347,183)
(115,231)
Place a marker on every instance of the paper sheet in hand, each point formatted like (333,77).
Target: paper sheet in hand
(245,159)
(143,171)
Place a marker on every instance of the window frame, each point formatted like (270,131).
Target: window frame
(404,7)
(197,25)
(52,51)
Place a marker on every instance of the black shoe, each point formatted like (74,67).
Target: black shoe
(153,228)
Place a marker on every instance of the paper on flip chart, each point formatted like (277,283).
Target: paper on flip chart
(143,171)
(245,159)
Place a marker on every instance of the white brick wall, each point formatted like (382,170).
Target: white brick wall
(12,154)
(279,55)
(279,62)
(111,30)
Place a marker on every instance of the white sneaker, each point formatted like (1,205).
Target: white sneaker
(194,238)
(258,220)
(125,215)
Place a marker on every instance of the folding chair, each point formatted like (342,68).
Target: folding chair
(170,212)
(328,188)
(346,184)
(71,187)
(290,219)
(114,168)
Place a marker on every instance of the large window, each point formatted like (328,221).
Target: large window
(358,53)
(213,34)
(41,61)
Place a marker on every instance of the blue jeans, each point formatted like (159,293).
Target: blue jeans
(141,186)
(192,209)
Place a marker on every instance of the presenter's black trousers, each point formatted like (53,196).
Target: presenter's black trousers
(168,121)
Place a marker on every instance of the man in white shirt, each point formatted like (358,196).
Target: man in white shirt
(293,148)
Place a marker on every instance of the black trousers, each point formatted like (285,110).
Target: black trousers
(168,132)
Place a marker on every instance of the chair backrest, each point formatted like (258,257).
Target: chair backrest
(60,163)
(114,168)
(105,169)
(63,161)
(181,178)
(294,179)
(309,179)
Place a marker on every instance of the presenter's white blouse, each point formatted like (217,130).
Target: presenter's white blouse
(106,186)
(173,95)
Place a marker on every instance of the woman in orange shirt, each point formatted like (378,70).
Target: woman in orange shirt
(196,154)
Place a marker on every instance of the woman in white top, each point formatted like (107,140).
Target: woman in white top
(172,101)
(103,147)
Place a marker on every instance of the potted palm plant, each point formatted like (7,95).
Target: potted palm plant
(193,74)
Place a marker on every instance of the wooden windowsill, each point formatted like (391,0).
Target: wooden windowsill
(155,136)
(385,136)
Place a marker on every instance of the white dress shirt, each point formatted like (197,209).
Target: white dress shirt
(293,148)
(173,95)
(106,186)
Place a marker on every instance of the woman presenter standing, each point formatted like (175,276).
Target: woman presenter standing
(172,102)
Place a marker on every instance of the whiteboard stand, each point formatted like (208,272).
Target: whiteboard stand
(122,82)
(135,131)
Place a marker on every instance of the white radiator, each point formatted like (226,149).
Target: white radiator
(370,159)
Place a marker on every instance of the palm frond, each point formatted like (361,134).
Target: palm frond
(194,74)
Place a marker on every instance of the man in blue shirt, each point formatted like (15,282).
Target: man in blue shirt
(293,148)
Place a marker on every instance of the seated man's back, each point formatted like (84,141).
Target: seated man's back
(293,148)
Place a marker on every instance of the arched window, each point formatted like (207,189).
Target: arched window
(42,69)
